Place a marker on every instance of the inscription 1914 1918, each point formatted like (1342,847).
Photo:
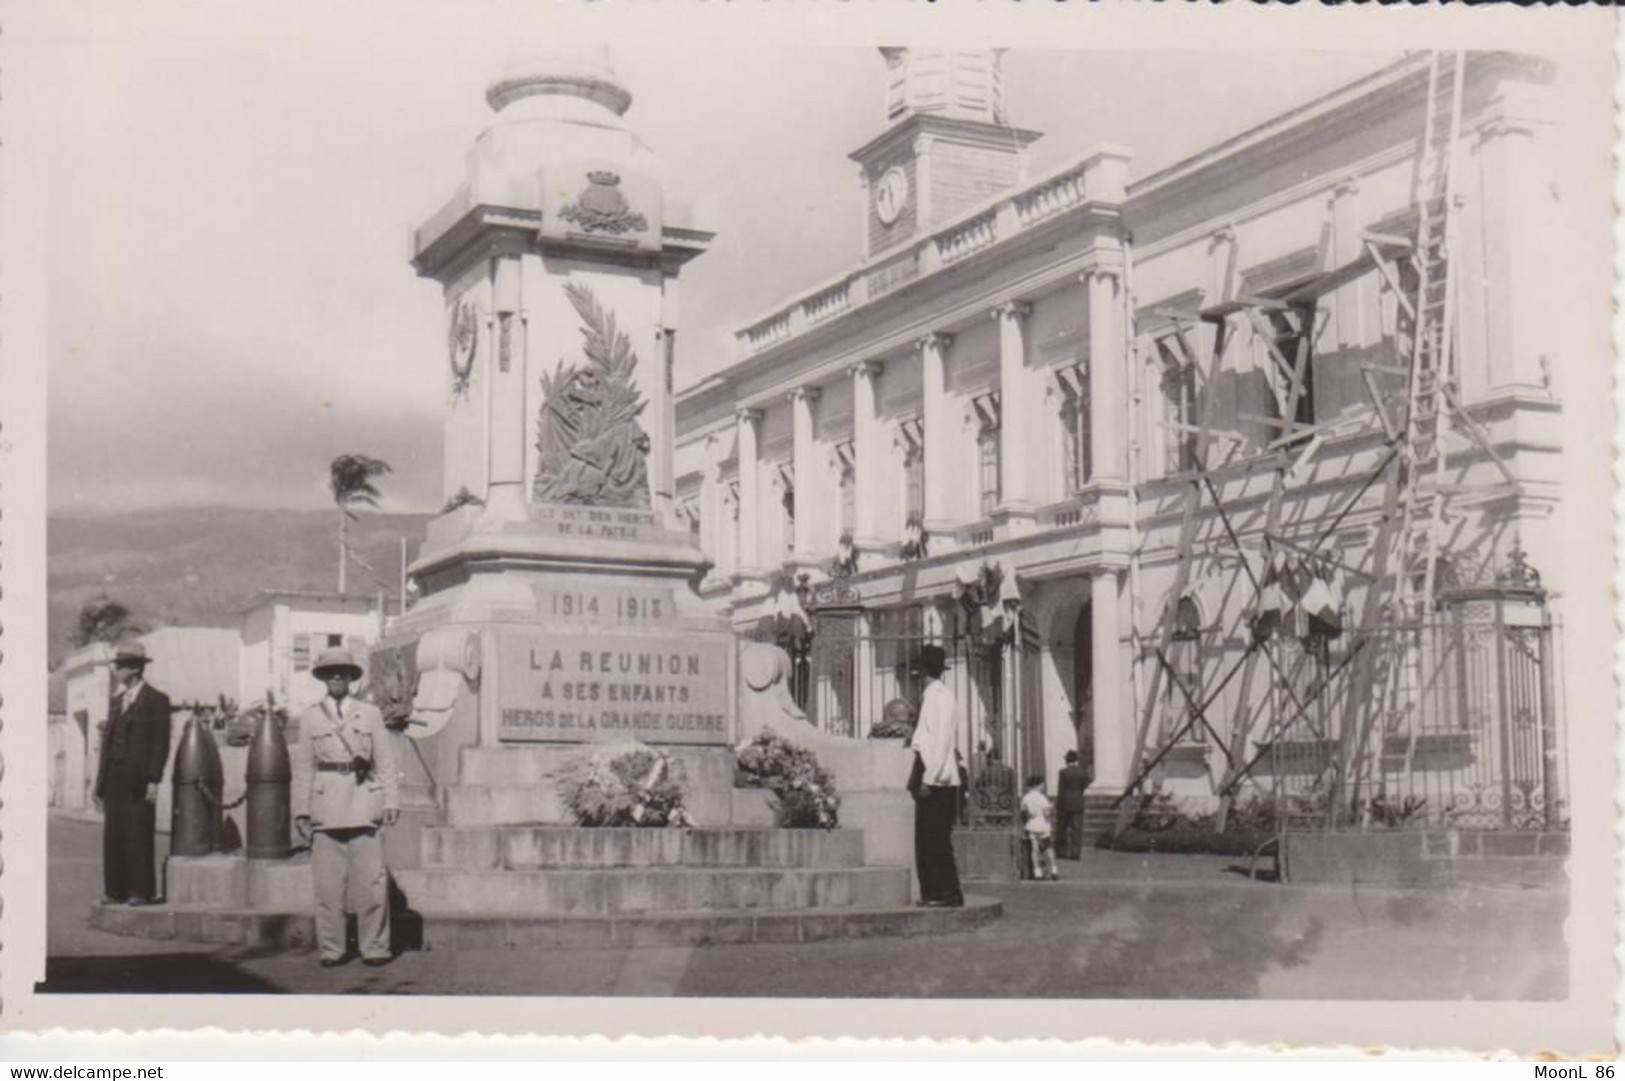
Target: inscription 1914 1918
(606,605)
(557,688)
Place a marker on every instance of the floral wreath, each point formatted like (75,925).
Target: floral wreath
(803,789)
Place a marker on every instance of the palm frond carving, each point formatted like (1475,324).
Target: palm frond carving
(591,449)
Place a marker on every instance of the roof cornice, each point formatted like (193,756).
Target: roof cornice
(979,132)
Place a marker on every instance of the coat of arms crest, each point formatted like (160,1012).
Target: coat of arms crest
(602,208)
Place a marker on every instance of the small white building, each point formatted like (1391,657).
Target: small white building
(195,666)
(284,632)
(65,740)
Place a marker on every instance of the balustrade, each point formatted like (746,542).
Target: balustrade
(996,223)
(967,238)
(768,331)
(830,302)
(1050,198)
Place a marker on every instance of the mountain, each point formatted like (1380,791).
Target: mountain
(203,566)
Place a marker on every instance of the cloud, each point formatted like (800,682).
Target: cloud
(231,302)
(255,442)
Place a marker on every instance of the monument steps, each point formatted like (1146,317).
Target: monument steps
(623,891)
(253,928)
(504,805)
(539,847)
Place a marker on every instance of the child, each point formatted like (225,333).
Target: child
(1035,816)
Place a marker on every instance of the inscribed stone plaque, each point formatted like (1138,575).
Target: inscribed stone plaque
(607,523)
(605,687)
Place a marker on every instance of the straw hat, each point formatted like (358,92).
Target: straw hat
(131,655)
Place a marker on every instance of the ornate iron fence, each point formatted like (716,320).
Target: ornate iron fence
(857,672)
(1457,723)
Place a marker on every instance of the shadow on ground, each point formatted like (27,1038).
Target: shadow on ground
(1054,942)
(153,974)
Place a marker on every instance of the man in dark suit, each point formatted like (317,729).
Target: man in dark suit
(135,750)
(1074,781)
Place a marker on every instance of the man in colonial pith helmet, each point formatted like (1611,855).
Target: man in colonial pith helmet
(345,787)
(135,750)
(935,785)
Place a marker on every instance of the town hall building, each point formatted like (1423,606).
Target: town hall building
(1151,453)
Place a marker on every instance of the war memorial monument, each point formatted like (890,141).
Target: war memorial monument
(558,610)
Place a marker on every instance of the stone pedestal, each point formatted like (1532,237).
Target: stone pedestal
(558,602)
(571,627)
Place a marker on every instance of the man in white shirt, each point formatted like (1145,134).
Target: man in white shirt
(936,793)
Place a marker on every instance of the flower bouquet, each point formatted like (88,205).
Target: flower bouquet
(803,791)
(627,784)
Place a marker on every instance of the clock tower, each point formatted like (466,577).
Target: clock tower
(947,148)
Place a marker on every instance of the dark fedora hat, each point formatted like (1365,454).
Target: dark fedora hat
(130,655)
(335,661)
(933,658)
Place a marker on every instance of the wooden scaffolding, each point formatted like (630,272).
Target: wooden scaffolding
(1415,405)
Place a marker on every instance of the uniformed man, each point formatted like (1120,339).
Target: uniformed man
(345,786)
(135,750)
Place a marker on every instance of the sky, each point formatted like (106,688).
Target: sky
(230,299)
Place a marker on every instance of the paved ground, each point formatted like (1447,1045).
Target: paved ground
(1119,926)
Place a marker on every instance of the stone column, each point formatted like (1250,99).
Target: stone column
(1114,722)
(1349,301)
(1516,249)
(864,697)
(924,212)
(803,402)
(505,360)
(866,449)
(865,239)
(748,561)
(662,437)
(934,419)
(1221,255)
(1014,412)
(713,517)
(728,529)
(1108,443)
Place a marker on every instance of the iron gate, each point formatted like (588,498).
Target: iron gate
(858,671)
(1457,722)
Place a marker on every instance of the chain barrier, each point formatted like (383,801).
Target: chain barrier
(210,799)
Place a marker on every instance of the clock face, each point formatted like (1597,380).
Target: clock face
(891,195)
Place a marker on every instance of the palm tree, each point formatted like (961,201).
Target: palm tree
(102,619)
(350,480)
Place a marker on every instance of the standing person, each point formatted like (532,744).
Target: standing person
(935,786)
(135,750)
(1035,823)
(1074,781)
(345,786)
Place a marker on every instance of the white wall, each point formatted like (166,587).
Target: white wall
(352,629)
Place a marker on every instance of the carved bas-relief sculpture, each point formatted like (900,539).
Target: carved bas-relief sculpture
(602,208)
(591,448)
